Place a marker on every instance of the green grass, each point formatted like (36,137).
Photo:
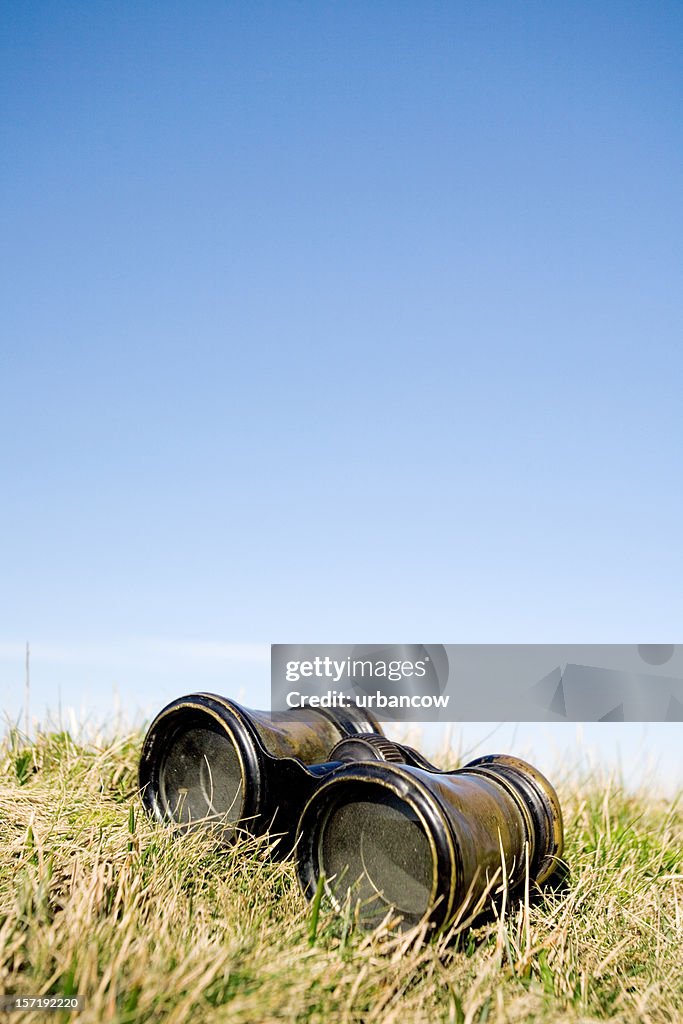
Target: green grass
(96,900)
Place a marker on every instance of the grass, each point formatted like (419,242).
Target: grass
(96,900)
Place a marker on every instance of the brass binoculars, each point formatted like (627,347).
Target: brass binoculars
(370,820)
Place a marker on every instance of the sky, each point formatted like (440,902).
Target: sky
(334,322)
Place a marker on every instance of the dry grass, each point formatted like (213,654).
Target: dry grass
(96,900)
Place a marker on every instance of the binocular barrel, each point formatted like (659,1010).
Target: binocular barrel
(424,844)
(206,760)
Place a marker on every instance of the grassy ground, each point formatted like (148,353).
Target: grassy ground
(96,900)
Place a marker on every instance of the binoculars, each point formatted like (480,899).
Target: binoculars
(369,820)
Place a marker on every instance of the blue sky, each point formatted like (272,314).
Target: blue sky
(334,322)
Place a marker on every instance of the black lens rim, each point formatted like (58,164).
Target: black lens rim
(402,782)
(176,718)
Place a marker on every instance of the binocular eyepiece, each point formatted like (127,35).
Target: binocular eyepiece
(371,820)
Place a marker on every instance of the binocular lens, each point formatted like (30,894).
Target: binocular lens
(374,848)
(200,775)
